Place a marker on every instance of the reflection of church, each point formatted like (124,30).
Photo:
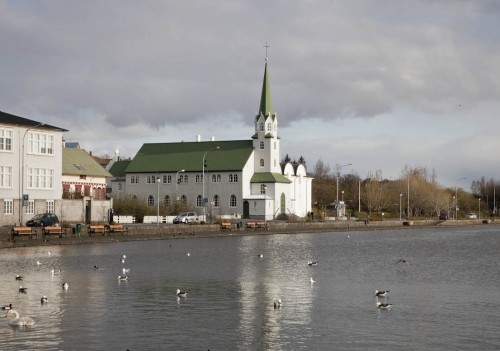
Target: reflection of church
(238,178)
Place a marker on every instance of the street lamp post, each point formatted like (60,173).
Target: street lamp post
(203,179)
(177,182)
(479,212)
(338,176)
(265,205)
(21,189)
(400,196)
(158,180)
(455,204)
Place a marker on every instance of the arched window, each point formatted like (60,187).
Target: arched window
(261,126)
(216,201)
(232,201)
(219,178)
(262,145)
(184,200)
(262,162)
(151,201)
(199,201)
(214,178)
(166,200)
(263,188)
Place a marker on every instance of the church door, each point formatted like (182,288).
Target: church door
(246,210)
(283,203)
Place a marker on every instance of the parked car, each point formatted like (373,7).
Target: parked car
(42,220)
(471,215)
(186,217)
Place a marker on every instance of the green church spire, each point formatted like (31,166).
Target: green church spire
(266,103)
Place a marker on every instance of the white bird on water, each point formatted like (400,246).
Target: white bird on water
(381,293)
(65,286)
(383,306)
(312,280)
(19,321)
(125,270)
(44,300)
(122,277)
(278,303)
(181,293)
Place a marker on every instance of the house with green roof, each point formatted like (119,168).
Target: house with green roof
(224,179)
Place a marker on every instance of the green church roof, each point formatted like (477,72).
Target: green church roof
(79,162)
(269,177)
(172,157)
(266,103)
(118,168)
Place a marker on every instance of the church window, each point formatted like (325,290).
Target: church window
(134,179)
(262,145)
(261,126)
(186,178)
(262,162)
(263,188)
(233,178)
(199,201)
(151,201)
(216,178)
(199,178)
(232,201)
(167,179)
(269,127)
(166,200)
(216,201)
(184,200)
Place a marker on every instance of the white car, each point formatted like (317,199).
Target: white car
(471,216)
(186,217)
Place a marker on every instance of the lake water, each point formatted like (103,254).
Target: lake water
(446,297)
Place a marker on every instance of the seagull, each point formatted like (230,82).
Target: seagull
(124,256)
(125,270)
(383,306)
(49,253)
(18,277)
(44,300)
(278,303)
(38,263)
(181,293)
(65,286)
(381,293)
(7,307)
(96,267)
(19,321)
(123,260)
(23,290)
(122,277)
(312,263)
(188,254)
(312,280)
(261,255)
(54,272)
(402,260)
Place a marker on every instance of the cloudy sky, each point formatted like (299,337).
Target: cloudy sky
(379,84)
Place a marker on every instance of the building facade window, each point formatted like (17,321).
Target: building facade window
(151,179)
(8,207)
(134,179)
(269,127)
(5,176)
(167,179)
(262,162)
(185,179)
(184,200)
(166,200)
(216,201)
(120,186)
(50,206)
(40,178)
(151,201)
(41,143)
(261,126)
(199,178)
(216,178)
(30,208)
(263,188)
(199,201)
(232,201)
(233,178)
(5,139)
(261,145)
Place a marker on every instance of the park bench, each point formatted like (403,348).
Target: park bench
(262,225)
(18,231)
(117,228)
(97,229)
(251,225)
(227,226)
(53,230)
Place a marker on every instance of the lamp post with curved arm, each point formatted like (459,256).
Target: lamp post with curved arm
(21,189)
(203,180)
(456,198)
(338,175)
(177,182)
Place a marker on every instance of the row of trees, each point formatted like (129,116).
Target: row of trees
(416,193)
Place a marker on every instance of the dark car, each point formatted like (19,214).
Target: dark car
(43,220)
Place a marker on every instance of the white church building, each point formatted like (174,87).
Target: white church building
(235,178)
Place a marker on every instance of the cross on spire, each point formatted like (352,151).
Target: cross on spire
(266,46)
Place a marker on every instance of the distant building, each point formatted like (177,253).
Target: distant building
(238,178)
